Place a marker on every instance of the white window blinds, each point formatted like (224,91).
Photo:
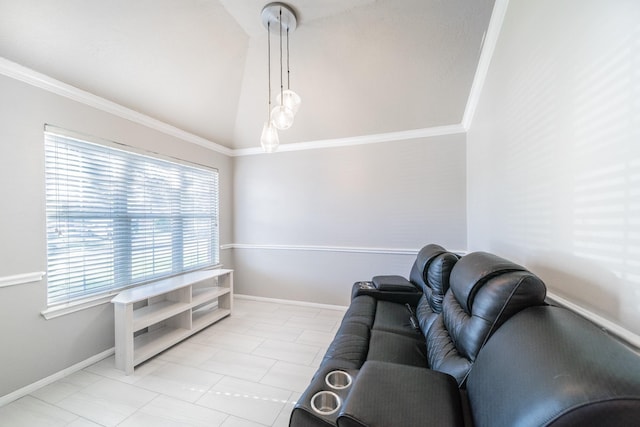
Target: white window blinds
(116,218)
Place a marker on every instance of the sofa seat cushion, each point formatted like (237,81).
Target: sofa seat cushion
(392,317)
(350,345)
(362,310)
(418,397)
(396,348)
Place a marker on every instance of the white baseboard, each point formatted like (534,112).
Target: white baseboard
(55,377)
(607,325)
(291,302)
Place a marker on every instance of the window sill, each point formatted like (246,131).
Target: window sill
(59,310)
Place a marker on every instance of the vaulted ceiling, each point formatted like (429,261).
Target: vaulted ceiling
(361,66)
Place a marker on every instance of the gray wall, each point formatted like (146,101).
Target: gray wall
(318,212)
(331,204)
(554,151)
(32,347)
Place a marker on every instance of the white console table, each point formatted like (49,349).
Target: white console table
(153,317)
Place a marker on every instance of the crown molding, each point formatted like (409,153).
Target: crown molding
(34,78)
(39,80)
(358,140)
(488,47)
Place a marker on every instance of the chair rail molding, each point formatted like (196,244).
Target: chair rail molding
(315,248)
(20,279)
(606,324)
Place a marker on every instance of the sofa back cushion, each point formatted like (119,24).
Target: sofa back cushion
(485,291)
(431,273)
(548,366)
(418,273)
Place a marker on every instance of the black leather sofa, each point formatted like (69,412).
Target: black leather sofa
(468,341)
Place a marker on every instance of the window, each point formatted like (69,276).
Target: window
(117,218)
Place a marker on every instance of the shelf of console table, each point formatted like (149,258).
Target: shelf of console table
(153,317)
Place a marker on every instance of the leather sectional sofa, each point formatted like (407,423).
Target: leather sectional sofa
(468,341)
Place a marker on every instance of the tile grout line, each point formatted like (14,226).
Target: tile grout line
(284,332)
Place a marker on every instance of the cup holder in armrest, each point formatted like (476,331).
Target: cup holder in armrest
(338,380)
(366,285)
(325,397)
(325,402)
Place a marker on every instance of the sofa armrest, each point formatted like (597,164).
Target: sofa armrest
(393,284)
(549,366)
(309,410)
(389,394)
(388,288)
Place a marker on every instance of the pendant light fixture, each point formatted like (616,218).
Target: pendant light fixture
(279,17)
(269,138)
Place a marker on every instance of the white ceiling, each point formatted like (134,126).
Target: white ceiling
(361,66)
(247,12)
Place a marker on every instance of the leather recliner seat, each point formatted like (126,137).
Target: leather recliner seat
(386,312)
(495,355)
(486,290)
(430,275)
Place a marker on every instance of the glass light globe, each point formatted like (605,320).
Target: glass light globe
(281,117)
(269,139)
(289,99)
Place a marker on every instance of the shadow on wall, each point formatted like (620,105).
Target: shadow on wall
(579,280)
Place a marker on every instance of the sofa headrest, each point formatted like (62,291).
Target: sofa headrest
(472,271)
(485,292)
(425,256)
(432,269)
(439,273)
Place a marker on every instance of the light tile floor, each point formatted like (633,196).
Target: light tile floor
(244,371)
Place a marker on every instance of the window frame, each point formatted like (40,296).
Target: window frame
(61,306)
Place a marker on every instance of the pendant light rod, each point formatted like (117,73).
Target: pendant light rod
(281,81)
(288,72)
(269,66)
(279,17)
